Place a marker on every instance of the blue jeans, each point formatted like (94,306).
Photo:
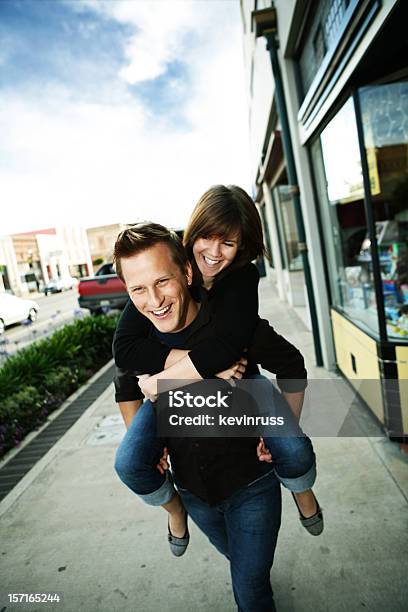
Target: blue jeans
(244,528)
(293,457)
(140,450)
(137,457)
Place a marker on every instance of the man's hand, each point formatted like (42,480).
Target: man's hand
(264,454)
(163,465)
(148,387)
(236,371)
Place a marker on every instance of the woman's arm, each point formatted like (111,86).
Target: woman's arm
(277,355)
(181,374)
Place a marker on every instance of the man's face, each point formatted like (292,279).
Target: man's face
(159,289)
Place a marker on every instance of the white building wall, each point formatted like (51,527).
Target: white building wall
(276,253)
(315,253)
(75,244)
(8,259)
(260,86)
(52,254)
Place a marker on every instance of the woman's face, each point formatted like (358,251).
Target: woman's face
(214,254)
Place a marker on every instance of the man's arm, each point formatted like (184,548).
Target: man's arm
(128,410)
(183,373)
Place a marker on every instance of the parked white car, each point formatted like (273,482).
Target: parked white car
(14,310)
(60,284)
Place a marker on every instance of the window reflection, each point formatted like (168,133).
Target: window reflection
(337,165)
(287,223)
(385,121)
(340,183)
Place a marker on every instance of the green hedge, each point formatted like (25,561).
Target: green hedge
(36,380)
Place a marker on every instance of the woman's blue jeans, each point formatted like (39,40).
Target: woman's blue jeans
(293,457)
(141,449)
(137,457)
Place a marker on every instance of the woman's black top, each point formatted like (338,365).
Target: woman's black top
(234,299)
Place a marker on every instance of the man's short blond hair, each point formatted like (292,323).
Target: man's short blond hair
(142,236)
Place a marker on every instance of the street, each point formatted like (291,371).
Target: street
(55,310)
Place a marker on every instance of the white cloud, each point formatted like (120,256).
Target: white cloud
(160,26)
(90,164)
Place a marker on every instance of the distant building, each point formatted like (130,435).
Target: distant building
(102,240)
(43,255)
(9,273)
(76,248)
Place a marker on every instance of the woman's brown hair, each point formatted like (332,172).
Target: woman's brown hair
(222,211)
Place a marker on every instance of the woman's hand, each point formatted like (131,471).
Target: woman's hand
(236,371)
(148,387)
(163,465)
(264,454)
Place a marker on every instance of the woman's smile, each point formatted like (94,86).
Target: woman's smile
(214,254)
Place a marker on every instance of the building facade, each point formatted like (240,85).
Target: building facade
(48,254)
(9,272)
(76,249)
(102,240)
(328,100)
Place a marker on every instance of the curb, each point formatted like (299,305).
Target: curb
(19,461)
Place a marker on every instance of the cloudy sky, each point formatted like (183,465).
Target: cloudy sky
(118,110)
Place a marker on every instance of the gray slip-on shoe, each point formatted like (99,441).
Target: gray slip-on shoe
(313,524)
(178,546)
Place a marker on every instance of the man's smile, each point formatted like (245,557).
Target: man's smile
(162,313)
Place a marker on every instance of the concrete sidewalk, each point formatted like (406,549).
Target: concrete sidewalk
(71,527)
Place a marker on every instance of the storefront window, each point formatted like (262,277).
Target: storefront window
(384,111)
(285,210)
(339,181)
(266,234)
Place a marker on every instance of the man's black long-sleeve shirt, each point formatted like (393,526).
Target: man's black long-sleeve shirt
(212,468)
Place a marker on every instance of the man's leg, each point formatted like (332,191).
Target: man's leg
(252,519)
(210,520)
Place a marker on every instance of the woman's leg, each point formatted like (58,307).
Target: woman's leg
(292,453)
(135,464)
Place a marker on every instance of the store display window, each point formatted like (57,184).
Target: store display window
(286,217)
(349,245)
(339,181)
(384,112)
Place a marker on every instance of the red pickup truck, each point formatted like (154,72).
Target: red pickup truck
(103,291)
